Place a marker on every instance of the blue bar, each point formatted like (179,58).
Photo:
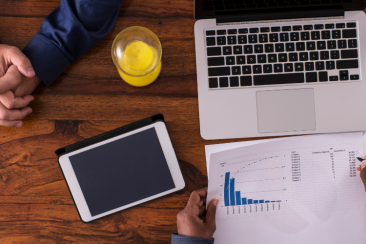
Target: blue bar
(273,201)
(250,201)
(266,201)
(261,201)
(238,197)
(226,189)
(255,201)
(232,192)
(244,201)
(278,201)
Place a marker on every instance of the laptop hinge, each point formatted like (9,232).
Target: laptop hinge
(281,15)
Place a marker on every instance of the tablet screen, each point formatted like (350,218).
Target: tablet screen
(122,171)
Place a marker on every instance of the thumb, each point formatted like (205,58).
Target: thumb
(16,57)
(211,212)
(363,173)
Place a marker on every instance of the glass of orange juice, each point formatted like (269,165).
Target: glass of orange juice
(136,52)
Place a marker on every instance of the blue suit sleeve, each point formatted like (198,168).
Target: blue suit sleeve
(178,239)
(73,28)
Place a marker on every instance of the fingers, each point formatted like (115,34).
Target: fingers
(211,213)
(195,198)
(13,114)
(9,100)
(202,211)
(363,176)
(14,56)
(11,80)
(11,123)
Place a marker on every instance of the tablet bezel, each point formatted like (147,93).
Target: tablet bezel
(75,189)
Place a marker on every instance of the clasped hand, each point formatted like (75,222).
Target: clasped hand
(17,81)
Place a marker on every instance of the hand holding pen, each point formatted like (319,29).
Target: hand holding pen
(362,169)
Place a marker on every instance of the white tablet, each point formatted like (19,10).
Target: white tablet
(122,172)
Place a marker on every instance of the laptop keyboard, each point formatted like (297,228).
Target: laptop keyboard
(282,55)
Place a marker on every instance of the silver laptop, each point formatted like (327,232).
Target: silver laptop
(280,67)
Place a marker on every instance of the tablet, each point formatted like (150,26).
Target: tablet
(123,171)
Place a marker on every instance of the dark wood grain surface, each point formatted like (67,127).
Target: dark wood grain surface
(87,99)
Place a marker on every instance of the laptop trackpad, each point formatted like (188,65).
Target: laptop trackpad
(286,110)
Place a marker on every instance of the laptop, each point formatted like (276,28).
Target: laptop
(280,67)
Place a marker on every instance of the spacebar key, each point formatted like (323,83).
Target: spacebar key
(276,79)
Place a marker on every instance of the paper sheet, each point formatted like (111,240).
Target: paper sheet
(293,190)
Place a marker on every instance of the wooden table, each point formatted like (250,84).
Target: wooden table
(87,99)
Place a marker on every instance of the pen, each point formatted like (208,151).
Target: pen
(360,159)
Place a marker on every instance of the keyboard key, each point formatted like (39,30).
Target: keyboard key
(321,45)
(221,40)
(305,35)
(319,65)
(294,36)
(275,29)
(336,34)
(262,59)
(273,37)
(324,55)
(210,41)
(213,83)
(221,32)
(251,59)
(329,26)
(242,39)
(290,47)
(213,51)
(323,76)
(334,54)
(267,68)
(341,25)
(257,69)
(347,64)
(263,38)
(232,31)
(333,78)
(272,58)
(238,49)
(258,48)
(248,49)
(349,33)
(264,29)
(253,30)
(299,67)
(217,61)
(309,66)
(318,27)
(351,25)
(231,40)
(222,71)
(310,46)
(284,37)
(210,33)
(247,69)
(243,31)
(355,77)
(236,70)
(224,81)
(352,43)
(282,57)
(289,67)
(304,56)
(268,48)
(308,27)
(311,77)
(300,46)
(234,81)
(286,28)
(315,35)
(332,44)
(292,56)
(253,39)
(325,34)
(297,27)
(349,53)
(227,50)
(230,60)
(277,68)
(246,80)
(280,47)
(342,43)
(343,74)
(240,60)
(330,64)
(277,79)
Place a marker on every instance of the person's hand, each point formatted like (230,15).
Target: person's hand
(194,220)
(17,82)
(362,169)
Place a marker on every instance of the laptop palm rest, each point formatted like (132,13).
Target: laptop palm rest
(286,110)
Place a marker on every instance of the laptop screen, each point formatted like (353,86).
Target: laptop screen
(205,9)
